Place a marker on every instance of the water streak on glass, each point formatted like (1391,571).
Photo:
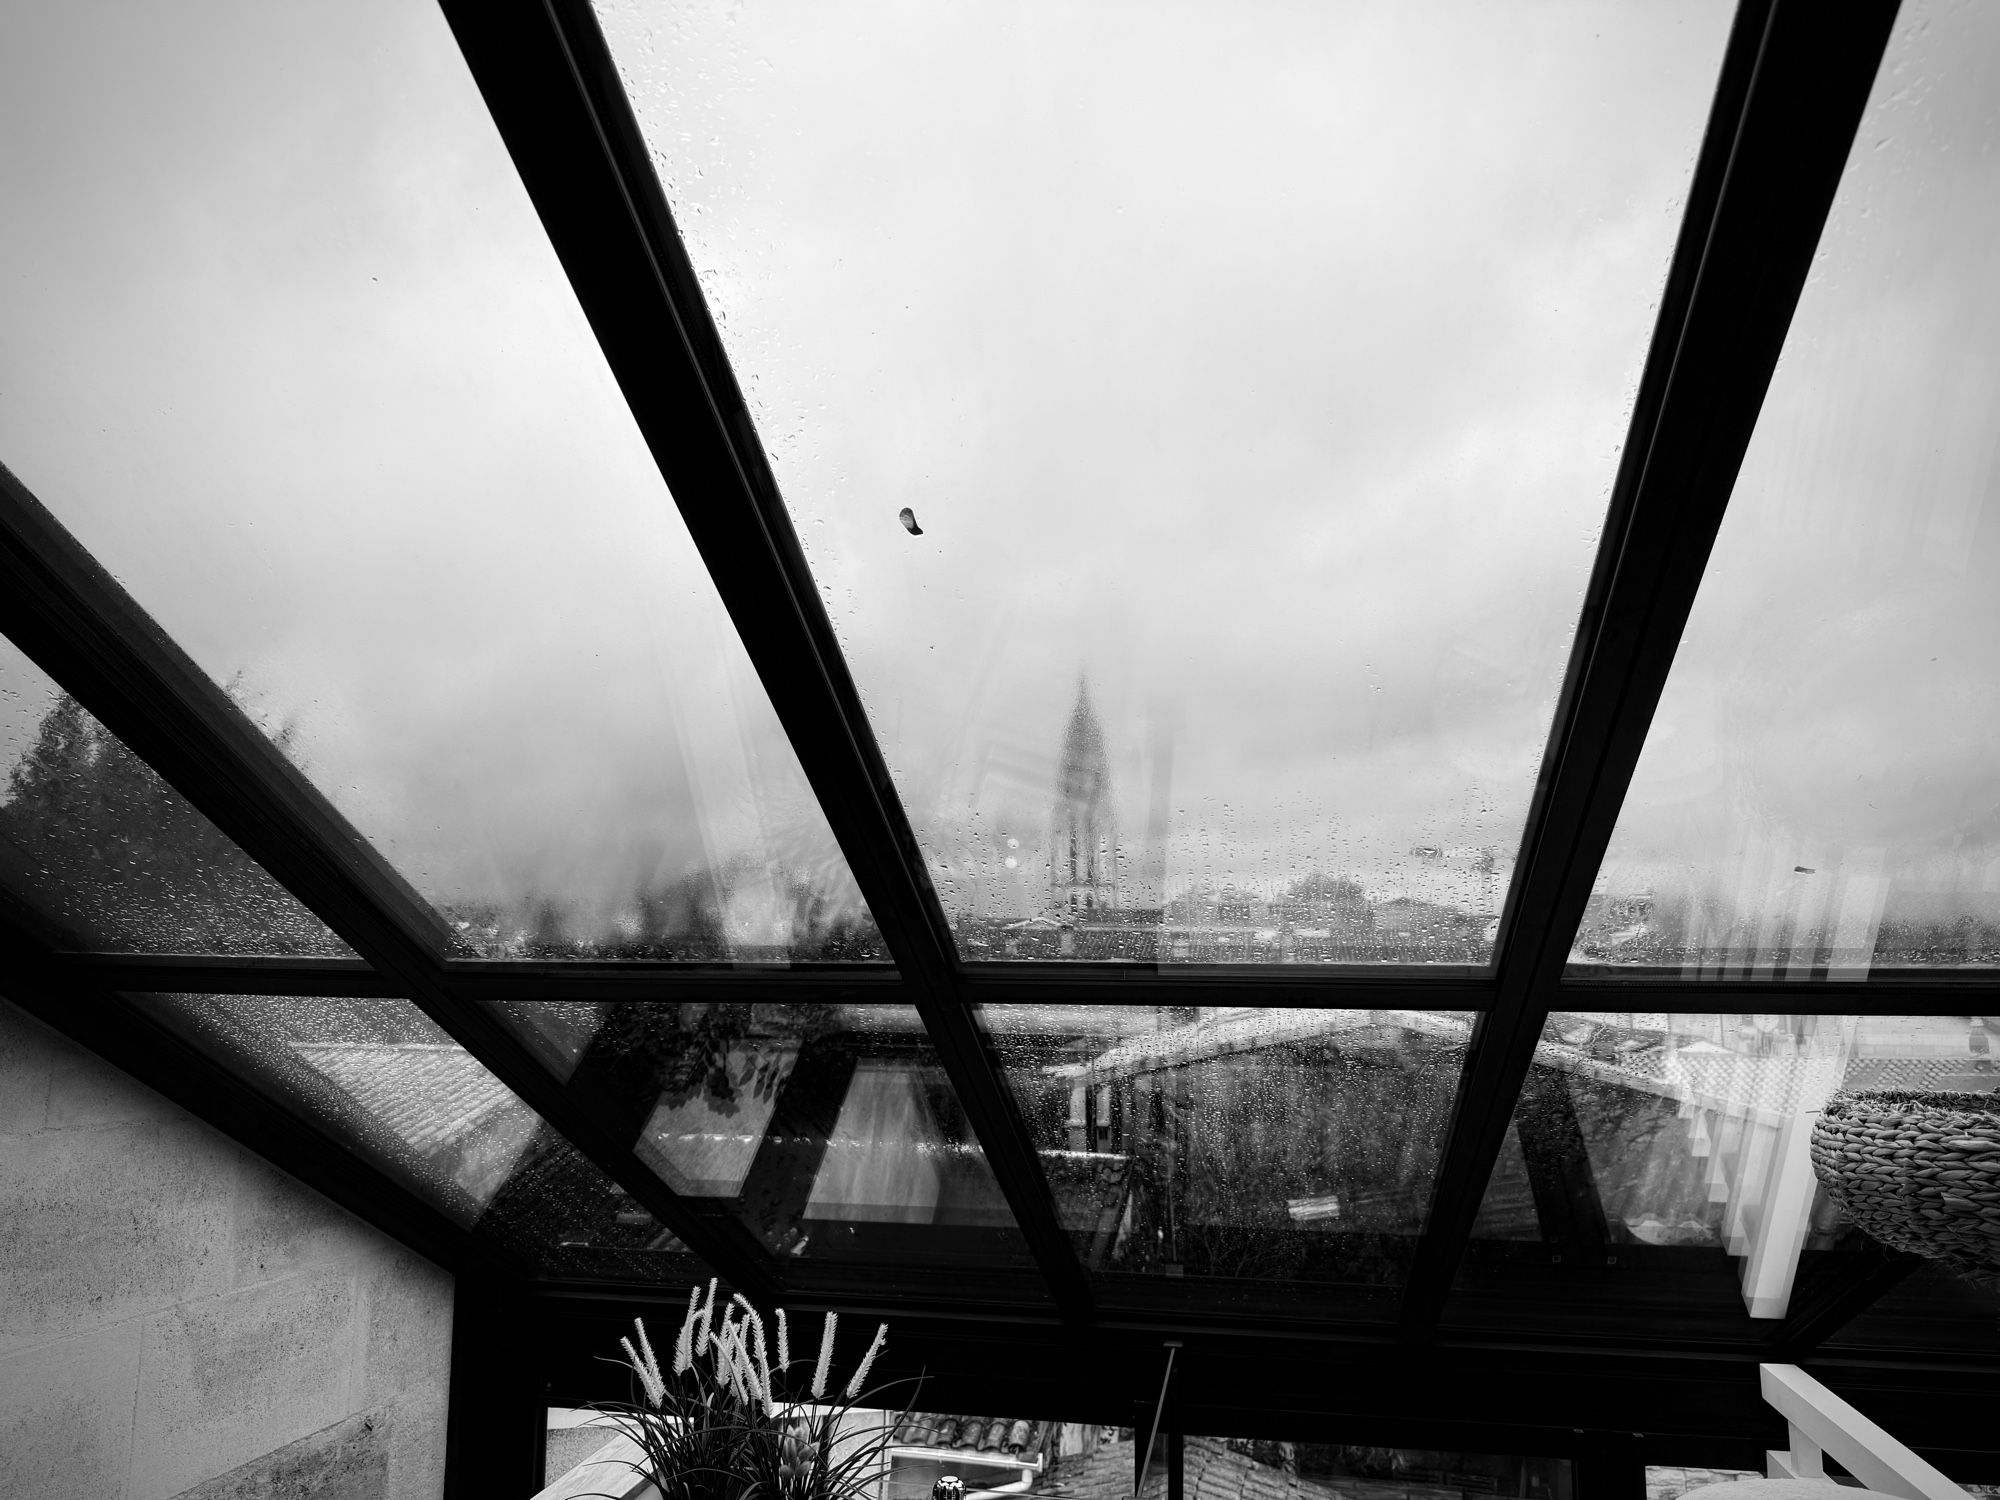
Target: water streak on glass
(1199,419)
(382,1079)
(831,1131)
(1820,790)
(1657,1142)
(288,350)
(1248,1144)
(98,853)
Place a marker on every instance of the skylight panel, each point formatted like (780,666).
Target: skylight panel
(1820,790)
(830,1132)
(1669,1154)
(1236,1143)
(288,351)
(1199,420)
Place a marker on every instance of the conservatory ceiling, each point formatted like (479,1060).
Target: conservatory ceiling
(1261,663)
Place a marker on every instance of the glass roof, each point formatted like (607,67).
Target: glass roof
(98,853)
(382,1079)
(318,394)
(830,1131)
(1196,629)
(1239,1144)
(1200,423)
(1820,790)
(1668,1153)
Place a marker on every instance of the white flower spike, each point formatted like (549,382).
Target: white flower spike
(655,1389)
(701,1333)
(867,1362)
(652,1360)
(684,1345)
(825,1355)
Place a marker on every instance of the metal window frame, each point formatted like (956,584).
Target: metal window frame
(1795,78)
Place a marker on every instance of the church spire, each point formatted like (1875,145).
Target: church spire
(1084,840)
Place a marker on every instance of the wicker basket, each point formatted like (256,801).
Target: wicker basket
(1917,1171)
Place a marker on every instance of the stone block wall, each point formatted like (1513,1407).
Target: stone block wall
(179,1318)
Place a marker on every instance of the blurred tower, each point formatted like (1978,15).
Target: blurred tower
(1083,838)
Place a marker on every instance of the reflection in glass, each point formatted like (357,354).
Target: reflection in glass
(1820,790)
(831,1131)
(1270,1145)
(98,853)
(320,396)
(1249,1469)
(1254,376)
(1690,1133)
(384,1080)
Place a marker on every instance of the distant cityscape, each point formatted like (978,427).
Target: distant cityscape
(1319,917)
(106,855)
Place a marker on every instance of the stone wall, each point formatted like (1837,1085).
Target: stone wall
(179,1318)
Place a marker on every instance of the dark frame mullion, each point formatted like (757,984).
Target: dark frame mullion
(554,92)
(61,607)
(1901,994)
(1904,992)
(489,980)
(1795,79)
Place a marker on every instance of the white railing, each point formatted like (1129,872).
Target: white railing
(1824,1426)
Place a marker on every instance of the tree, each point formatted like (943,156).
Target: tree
(111,857)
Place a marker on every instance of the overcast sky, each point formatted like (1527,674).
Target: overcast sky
(283,342)
(1264,365)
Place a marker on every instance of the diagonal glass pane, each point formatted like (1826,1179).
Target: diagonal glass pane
(97,853)
(1199,419)
(382,1079)
(289,351)
(1820,789)
(1242,1144)
(831,1131)
(1663,1160)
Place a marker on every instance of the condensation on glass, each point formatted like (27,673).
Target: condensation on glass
(98,853)
(319,394)
(382,1079)
(1667,1141)
(1247,1144)
(1820,790)
(831,1131)
(1253,377)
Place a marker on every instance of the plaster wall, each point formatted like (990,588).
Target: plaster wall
(179,1318)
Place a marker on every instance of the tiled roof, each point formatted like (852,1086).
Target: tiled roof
(1236,1031)
(1712,1076)
(991,1439)
(428,1094)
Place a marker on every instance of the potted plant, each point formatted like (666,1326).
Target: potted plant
(732,1418)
